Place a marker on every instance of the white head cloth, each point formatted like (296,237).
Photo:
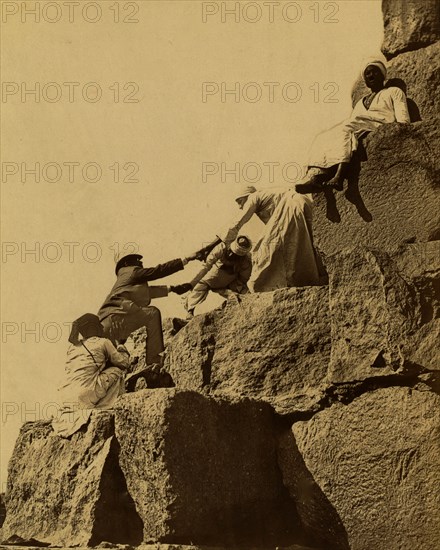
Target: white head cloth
(244,191)
(377,63)
(239,249)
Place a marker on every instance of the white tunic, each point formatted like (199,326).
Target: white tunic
(90,383)
(337,144)
(284,256)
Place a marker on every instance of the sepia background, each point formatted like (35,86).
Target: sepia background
(147,114)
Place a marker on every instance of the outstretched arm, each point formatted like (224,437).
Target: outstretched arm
(249,209)
(145,274)
(213,257)
(203,253)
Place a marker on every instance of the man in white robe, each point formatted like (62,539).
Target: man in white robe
(335,147)
(284,256)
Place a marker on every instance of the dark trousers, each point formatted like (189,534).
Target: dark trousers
(118,326)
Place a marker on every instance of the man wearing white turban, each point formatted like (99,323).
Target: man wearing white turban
(334,147)
(226,271)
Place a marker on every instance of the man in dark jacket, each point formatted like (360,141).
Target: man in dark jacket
(127,307)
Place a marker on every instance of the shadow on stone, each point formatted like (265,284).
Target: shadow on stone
(319,518)
(116,518)
(207,473)
(352,193)
(249,506)
(332,213)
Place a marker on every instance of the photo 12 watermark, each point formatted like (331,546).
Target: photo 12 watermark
(68,252)
(26,411)
(269,92)
(29,12)
(267,172)
(70,172)
(233,12)
(35,332)
(70,92)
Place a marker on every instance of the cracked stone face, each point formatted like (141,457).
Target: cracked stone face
(365,472)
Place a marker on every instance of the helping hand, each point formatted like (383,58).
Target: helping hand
(181,289)
(200,255)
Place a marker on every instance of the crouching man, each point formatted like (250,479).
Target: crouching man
(127,307)
(226,271)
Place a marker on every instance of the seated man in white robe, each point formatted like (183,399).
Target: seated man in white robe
(333,148)
(94,375)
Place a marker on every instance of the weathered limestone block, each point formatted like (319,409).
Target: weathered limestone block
(409,25)
(420,73)
(373,310)
(392,198)
(422,348)
(370,471)
(273,346)
(204,471)
(419,264)
(69,491)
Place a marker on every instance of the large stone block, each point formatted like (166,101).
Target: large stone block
(365,475)
(372,312)
(204,471)
(418,74)
(273,346)
(419,264)
(381,322)
(409,25)
(69,491)
(390,198)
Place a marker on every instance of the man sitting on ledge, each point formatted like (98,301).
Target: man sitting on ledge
(332,150)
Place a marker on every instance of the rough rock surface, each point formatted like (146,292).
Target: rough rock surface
(2,509)
(274,346)
(69,491)
(409,25)
(371,471)
(354,366)
(378,318)
(204,470)
(373,312)
(392,198)
(420,73)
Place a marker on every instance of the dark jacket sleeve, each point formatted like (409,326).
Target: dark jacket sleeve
(144,274)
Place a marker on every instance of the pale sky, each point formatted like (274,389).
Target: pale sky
(292,69)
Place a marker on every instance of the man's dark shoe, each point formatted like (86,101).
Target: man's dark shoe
(305,188)
(155,376)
